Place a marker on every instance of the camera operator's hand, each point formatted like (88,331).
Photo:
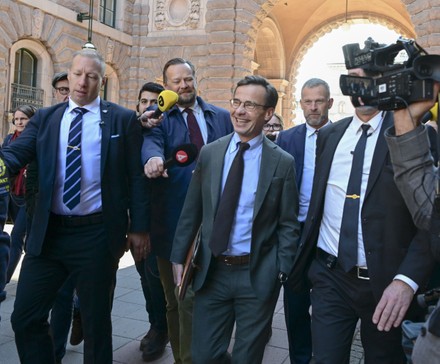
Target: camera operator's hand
(408,119)
(393,305)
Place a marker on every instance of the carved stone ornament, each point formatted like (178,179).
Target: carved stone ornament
(181,14)
(37,23)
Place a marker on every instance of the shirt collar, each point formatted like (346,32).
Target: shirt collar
(375,122)
(93,107)
(253,143)
(195,108)
(310,130)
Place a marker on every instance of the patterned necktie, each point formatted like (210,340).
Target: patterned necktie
(195,134)
(228,204)
(72,178)
(348,237)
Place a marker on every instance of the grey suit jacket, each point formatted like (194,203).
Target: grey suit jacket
(275,228)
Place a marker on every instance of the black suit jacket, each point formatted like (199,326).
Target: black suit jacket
(393,245)
(123,185)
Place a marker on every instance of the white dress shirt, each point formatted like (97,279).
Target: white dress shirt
(305,191)
(90,161)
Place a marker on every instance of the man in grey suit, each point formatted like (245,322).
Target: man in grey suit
(240,282)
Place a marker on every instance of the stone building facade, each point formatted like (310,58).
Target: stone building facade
(225,39)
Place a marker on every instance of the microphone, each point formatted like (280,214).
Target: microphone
(165,101)
(182,156)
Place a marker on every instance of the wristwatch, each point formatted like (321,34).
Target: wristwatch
(282,277)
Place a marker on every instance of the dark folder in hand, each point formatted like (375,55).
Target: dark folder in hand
(190,265)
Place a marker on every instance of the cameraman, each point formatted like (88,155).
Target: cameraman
(416,176)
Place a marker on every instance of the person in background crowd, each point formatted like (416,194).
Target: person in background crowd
(153,343)
(272,128)
(90,183)
(190,120)
(248,245)
(60,85)
(300,142)
(17,209)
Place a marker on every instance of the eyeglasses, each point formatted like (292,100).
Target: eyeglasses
(274,127)
(248,105)
(63,90)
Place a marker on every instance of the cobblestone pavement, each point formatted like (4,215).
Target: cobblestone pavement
(130,324)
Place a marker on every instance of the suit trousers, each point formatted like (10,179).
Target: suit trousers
(228,297)
(155,302)
(82,252)
(179,314)
(339,301)
(297,316)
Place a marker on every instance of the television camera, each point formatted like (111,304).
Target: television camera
(398,84)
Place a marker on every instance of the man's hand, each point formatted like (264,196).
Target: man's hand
(177,274)
(154,168)
(408,119)
(139,245)
(393,305)
(148,122)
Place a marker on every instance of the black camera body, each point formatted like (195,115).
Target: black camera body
(400,84)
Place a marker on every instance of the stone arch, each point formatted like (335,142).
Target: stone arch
(269,51)
(44,66)
(318,32)
(112,84)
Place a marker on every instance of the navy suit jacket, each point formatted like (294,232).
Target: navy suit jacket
(123,185)
(168,194)
(393,245)
(293,141)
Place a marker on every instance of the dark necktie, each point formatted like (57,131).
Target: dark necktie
(72,178)
(195,134)
(228,204)
(348,237)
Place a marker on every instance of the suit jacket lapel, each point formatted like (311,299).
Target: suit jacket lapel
(269,162)
(54,139)
(380,153)
(105,130)
(216,162)
(327,153)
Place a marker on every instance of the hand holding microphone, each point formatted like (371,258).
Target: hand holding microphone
(165,101)
(182,156)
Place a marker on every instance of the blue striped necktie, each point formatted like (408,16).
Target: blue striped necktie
(72,178)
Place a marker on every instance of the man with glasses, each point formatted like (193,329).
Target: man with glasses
(60,86)
(300,142)
(190,120)
(243,263)
(273,127)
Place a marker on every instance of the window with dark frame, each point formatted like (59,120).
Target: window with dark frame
(107,9)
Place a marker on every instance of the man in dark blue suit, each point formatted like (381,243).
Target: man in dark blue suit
(300,142)
(85,235)
(191,120)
